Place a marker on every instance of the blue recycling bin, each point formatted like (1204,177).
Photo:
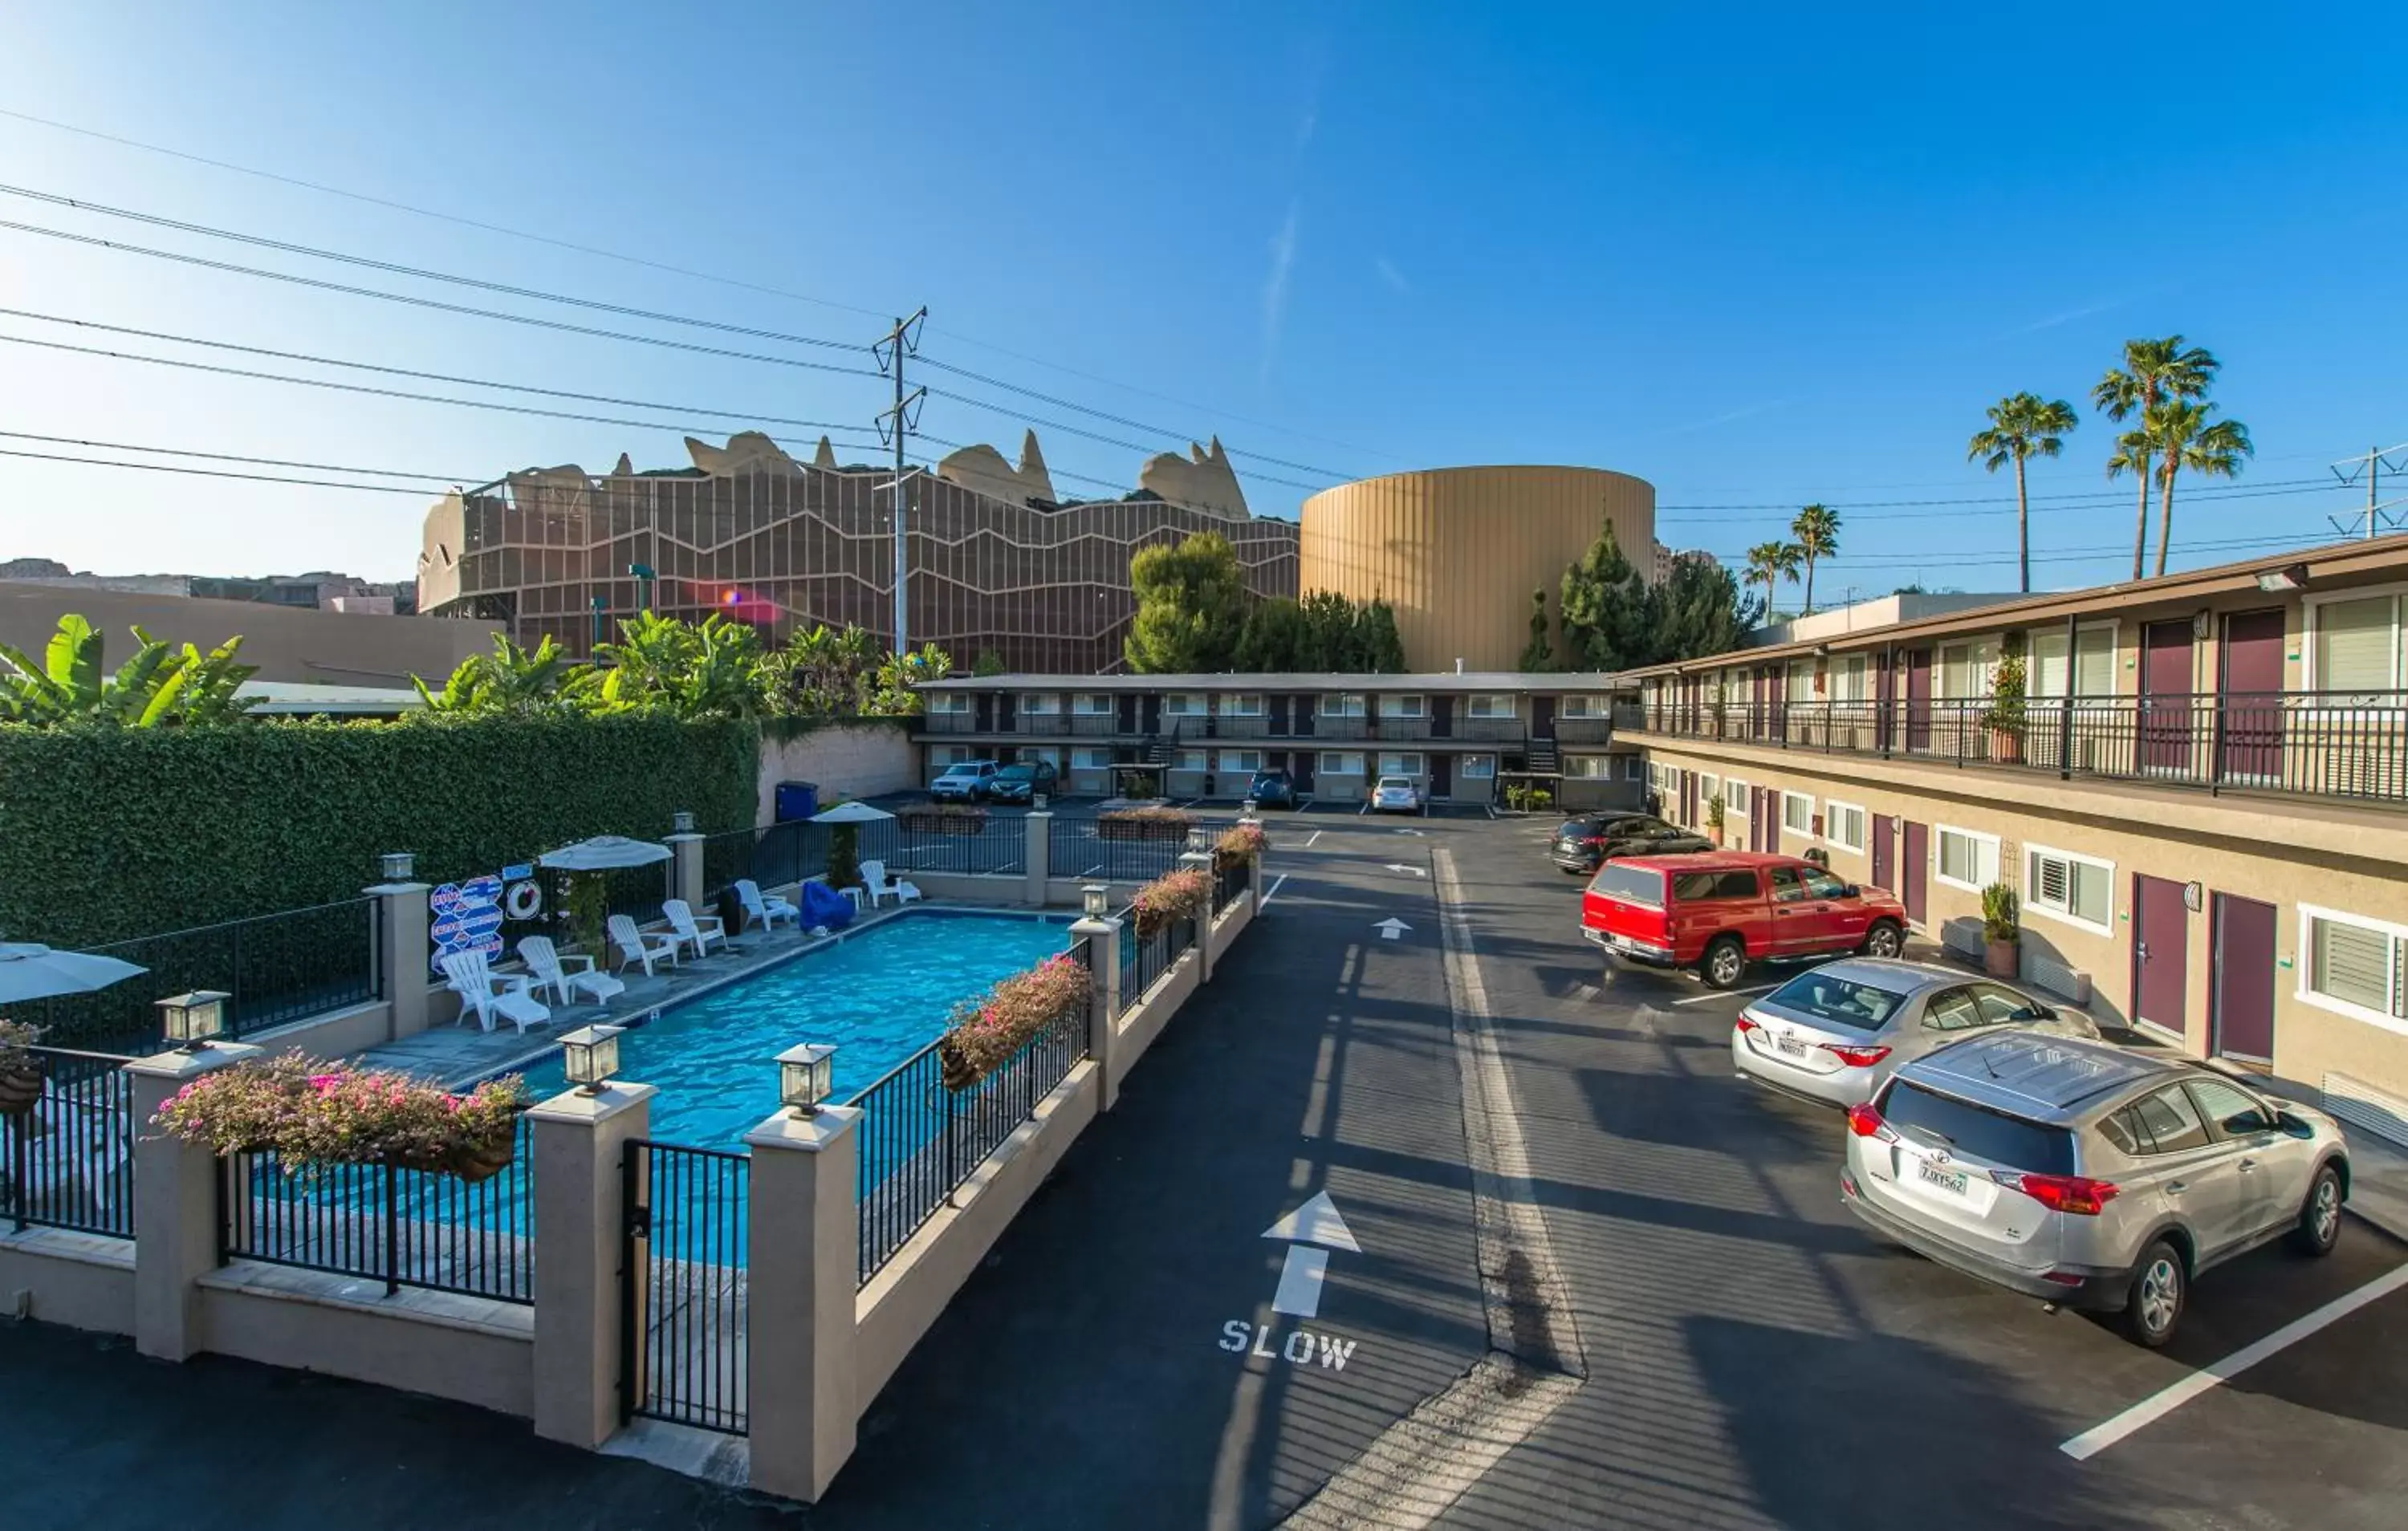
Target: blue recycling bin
(797,800)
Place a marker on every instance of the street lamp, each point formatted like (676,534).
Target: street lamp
(397,866)
(806,1077)
(590,1056)
(681,822)
(644,578)
(191,1020)
(1096,899)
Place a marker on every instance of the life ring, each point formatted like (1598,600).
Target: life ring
(525,900)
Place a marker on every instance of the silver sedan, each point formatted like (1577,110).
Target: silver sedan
(1832,1034)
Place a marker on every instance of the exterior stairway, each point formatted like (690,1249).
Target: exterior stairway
(1542,758)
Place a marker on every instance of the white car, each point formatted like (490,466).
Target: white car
(1396,794)
(966,781)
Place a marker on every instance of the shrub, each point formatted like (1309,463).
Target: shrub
(1239,842)
(2000,914)
(1141,786)
(1154,821)
(989,1032)
(1185,894)
(319,1113)
(844,857)
(944,818)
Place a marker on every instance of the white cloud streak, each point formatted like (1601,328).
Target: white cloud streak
(1389,274)
(1275,286)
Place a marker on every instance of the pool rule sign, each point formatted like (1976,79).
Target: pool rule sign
(1309,1232)
(464,917)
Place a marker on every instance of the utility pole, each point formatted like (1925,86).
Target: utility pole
(901,341)
(2374,464)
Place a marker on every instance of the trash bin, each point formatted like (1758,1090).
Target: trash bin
(797,800)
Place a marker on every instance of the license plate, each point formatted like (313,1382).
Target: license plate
(1789,1044)
(1950,1181)
(1625,942)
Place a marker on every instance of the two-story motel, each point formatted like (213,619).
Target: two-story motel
(1461,736)
(2201,796)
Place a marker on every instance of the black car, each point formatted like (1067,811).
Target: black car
(1581,844)
(1272,788)
(1022,783)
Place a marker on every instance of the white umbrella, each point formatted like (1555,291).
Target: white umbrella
(603,852)
(851,813)
(29,970)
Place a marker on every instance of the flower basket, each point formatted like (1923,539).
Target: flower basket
(1143,823)
(990,1033)
(1238,844)
(1182,894)
(480,1161)
(18,1089)
(310,1113)
(944,819)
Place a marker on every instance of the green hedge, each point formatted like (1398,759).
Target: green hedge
(106,834)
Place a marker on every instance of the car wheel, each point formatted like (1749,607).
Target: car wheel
(1724,964)
(2319,1228)
(2154,1307)
(1884,939)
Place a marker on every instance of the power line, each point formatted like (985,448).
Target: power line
(2201,495)
(2100,495)
(2070,555)
(1099,414)
(236,457)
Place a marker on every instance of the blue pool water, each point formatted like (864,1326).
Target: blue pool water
(878,998)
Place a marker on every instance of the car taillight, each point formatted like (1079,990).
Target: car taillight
(1856,1057)
(2078,1193)
(1866,1121)
(1744,1023)
(1594,839)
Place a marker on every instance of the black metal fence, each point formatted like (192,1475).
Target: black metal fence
(682,1284)
(2323,744)
(378,1222)
(70,1157)
(1086,846)
(1230,882)
(278,968)
(1145,958)
(921,1140)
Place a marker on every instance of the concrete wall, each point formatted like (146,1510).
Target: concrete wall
(79,1280)
(852,761)
(466,1349)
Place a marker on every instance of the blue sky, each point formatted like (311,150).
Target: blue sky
(1756,256)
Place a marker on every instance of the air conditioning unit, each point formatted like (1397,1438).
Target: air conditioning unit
(1963,936)
(2067,984)
(2363,1105)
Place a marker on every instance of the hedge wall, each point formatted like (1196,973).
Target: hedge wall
(106,834)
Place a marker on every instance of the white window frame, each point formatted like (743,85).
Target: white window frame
(1050,753)
(2034,682)
(1938,860)
(949,702)
(1491,705)
(1091,759)
(2312,607)
(2308,995)
(1341,704)
(1634,768)
(1788,798)
(1589,767)
(952,755)
(1419,766)
(1093,704)
(1710,787)
(1831,808)
(1185,704)
(1233,762)
(1244,704)
(1040,704)
(1992,645)
(1402,705)
(1584,703)
(1478,768)
(1341,767)
(1852,679)
(2030,897)
(1195,761)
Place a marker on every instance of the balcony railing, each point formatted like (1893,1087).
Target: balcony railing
(1193,727)
(2323,744)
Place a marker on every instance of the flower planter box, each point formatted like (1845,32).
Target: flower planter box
(942,824)
(1141,829)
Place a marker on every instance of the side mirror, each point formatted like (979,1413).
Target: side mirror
(2293,1125)
(2036,1012)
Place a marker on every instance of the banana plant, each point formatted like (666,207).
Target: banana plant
(158,685)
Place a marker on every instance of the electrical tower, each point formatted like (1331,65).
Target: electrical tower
(901,341)
(2377,516)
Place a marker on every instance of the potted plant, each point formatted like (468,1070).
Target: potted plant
(1183,894)
(21,1067)
(2004,717)
(1240,842)
(844,857)
(1152,823)
(1714,817)
(990,1032)
(2002,931)
(312,1114)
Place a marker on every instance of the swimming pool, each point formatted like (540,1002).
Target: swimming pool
(878,997)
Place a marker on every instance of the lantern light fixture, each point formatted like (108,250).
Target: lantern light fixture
(589,1057)
(806,1077)
(1095,898)
(192,1019)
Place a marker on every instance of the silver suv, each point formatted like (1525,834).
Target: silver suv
(2082,1174)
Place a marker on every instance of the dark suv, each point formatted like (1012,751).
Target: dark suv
(1022,783)
(1581,845)
(1272,788)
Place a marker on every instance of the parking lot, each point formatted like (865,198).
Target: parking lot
(1748,1354)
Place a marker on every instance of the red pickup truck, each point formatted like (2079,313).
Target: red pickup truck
(1718,910)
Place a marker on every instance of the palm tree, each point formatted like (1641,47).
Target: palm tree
(2022,425)
(1817,531)
(1771,561)
(2153,371)
(2181,437)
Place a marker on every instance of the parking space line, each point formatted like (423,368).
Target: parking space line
(1270,892)
(1726,993)
(2158,1404)
(1314,836)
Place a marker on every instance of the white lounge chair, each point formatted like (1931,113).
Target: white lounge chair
(550,971)
(768,910)
(873,875)
(483,993)
(634,946)
(696,931)
(73,1148)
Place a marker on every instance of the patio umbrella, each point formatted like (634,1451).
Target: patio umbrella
(603,852)
(851,813)
(29,970)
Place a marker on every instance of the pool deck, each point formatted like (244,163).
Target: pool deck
(458,1055)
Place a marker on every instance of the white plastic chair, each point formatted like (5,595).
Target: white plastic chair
(696,931)
(634,946)
(767,910)
(549,970)
(471,978)
(874,876)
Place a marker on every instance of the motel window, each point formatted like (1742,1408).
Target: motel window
(1492,706)
(949,701)
(2079,889)
(1802,680)
(2355,966)
(1709,787)
(2093,661)
(1092,703)
(1406,764)
(1185,704)
(1248,705)
(1044,702)
(1091,760)
(1581,704)
(1589,767)
(953,755)
(1735,795)
(2355,644)
(1246,761)
(1400,707)
(1342,705)
(1048,753)
(1843,825)
(1968,858)
(1634,767)
(1965,668)
(1478,767)
(1190,760)
(1797,812)
(1848,678)
(1341,763)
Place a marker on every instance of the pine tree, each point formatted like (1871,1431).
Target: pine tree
(1539,654)
(1379,648)
(1274,639)
(1191,607)
(1607,624)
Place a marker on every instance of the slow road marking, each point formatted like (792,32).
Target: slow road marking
(2158,1404)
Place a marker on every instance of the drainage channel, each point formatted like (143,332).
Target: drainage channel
(1422,1463)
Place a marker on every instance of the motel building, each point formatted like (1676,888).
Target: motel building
(1461,736)
(2200,796)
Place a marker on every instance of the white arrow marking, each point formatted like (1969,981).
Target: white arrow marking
(1413,832)
(1299,1287)
(1391,928)
(1399,866)
(1315,1222)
